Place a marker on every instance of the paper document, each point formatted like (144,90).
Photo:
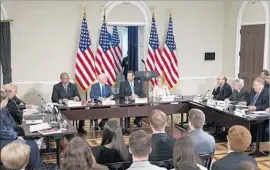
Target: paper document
(42,126)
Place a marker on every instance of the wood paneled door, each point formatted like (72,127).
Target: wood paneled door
(251,52)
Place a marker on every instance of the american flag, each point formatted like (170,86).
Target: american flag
(104,59)
(85,60)
(116,50)
(153,61)
(170,57)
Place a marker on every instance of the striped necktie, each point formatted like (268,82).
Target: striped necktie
(255,99)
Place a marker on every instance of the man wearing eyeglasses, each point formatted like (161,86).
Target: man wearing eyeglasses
(222,90)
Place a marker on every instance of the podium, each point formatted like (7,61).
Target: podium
(145,77)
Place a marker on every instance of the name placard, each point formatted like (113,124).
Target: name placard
(72,103)
(167,99)
(108,102)
(140,100)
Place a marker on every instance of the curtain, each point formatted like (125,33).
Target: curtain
(133,48)
(5,51)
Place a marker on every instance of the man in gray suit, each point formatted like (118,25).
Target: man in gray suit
(239,94)
(65,90)
(204,143)
(140,148)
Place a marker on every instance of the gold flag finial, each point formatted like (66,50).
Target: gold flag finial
(104,13)
(84,9)
(153,11)
(171,11)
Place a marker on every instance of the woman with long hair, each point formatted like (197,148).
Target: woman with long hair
(112,147)
(78,156)
(184,152)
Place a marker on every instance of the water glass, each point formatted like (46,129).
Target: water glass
(64,125)
(60,101)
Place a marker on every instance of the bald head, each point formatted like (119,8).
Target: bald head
(221,80)
(103,78)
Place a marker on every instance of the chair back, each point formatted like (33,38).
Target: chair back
(206,160)
(168,164)
(119,165)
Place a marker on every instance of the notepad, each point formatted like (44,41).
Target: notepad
(33,122)
(42,126)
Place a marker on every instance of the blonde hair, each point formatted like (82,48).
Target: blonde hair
(10,86)
(158,120)
(15,155)
(239,138)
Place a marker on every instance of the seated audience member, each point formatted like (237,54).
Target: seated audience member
(15,155)
(112,147)
(140,148)
(9,135)
(184,152)
(15,105)
(259,97)
(239,94)
(78,156)
(264,74)
(160,90)
(222,90)
(204,143)
(267,82)
(186,166)
(239,138)
(162,143)
(64,91)
(246,166)
(131,89)
(101,91)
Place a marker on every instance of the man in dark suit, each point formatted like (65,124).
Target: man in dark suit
(131,89)
(239,94)
(162,143)
(15,105)
(259,96)
(239,139)
(101,91)
(65,91)
(222,90)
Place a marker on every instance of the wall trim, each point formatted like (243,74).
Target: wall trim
(238,35)
(126,23)
(55,82)
(254,23)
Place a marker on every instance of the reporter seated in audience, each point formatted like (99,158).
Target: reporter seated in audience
(246,166)
(78,156)
(222,90)
(8,134)
(15,105)
(259,96)
(184,152)
(140,148)
(204,143)
(101,91)
(239,94)
(160,90)
(162,143)
(15,155)
(186,166)
(112,147)
(239,138)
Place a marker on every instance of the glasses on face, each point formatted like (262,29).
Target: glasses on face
(8,91)
(219,79)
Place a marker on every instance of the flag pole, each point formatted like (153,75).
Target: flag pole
(84,9)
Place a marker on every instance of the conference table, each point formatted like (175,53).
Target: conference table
(181,106)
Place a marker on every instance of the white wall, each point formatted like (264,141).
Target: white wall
(45,39)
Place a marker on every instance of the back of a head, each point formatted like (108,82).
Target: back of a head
(246,166)
(78,155)
(140,144)
(158,120)
(186,166)
(239,138)
(15,155)
(196,118)
(184,151)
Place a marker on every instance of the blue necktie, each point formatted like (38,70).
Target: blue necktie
(103,91)
(255,99)
(132,87)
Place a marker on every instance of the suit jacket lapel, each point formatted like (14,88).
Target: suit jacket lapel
(129,88)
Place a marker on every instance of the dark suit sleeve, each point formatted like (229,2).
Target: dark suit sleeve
(227,92)
(110,90)
(231,97)
(265,102)
(55,97)
(93,94)
(215,92)
(214,167)
(245,97)
(75,91)
(141,93)
(122,91)
(21,105)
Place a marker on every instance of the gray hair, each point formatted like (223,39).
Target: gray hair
(63,74)
(240,81)
(102,75)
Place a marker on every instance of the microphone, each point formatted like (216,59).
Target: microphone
(42,98)
(206,93)
(142,60)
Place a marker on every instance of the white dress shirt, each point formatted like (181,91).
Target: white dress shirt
(160,91)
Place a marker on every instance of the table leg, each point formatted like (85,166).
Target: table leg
(172,125)
(58,152)
(258,139)
(182,120)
